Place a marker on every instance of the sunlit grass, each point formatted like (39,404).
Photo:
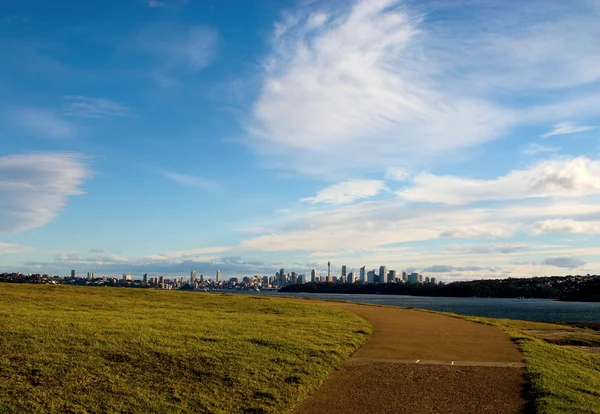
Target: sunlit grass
(69,349)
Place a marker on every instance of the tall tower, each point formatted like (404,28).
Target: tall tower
(344,271)
(328,269)
(218,277)
(382,274)
(314,275)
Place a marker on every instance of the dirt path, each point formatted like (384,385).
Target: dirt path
(420,362)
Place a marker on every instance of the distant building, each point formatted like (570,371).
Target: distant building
(391,278)
(350,278)
(328,269)
(382,274)
(363,275)
(420,278)
(433,280)
(218,276)
(427,279)
(73,273)
(371,276)
(323,279)
(404,277)
(145,278)
(413,278)
(193,276)
(126,277)
(314,275)
(344,271)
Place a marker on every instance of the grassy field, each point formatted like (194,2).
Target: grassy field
(69,349)
(561,379)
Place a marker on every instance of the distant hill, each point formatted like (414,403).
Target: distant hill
(569,288)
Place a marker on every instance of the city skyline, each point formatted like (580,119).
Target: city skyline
(163,136)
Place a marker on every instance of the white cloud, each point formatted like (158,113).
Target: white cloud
(201,253)
(155,4)
(192,181)
(559,178)
(350,89)
(9,248)
(566,128)
(44,123)
(178,48)
(380,224)
(382,82)
(478,230)
(566,226)
(485,248)
(396,174)
(347,191)
(34,187)
(94,107)
(534,148)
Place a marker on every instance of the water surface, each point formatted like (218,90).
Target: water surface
(525,309)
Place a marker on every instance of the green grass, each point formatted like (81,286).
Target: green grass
(76,350)
(561,379)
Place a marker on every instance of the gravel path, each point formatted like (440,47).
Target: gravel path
(463,367)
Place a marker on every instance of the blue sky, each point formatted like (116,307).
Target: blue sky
(460,139)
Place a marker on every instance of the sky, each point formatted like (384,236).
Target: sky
(460,139)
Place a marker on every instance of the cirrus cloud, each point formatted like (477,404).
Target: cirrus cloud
(35,187)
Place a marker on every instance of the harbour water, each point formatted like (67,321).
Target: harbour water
(524,309)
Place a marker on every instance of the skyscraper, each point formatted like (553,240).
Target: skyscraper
(193,276)
(344,271)
(382,274)
(328,270)
(145,278)
(363,275)
(371,276)
(350,278)
(73,273)
(218,276)
(314,275)
(391,277)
